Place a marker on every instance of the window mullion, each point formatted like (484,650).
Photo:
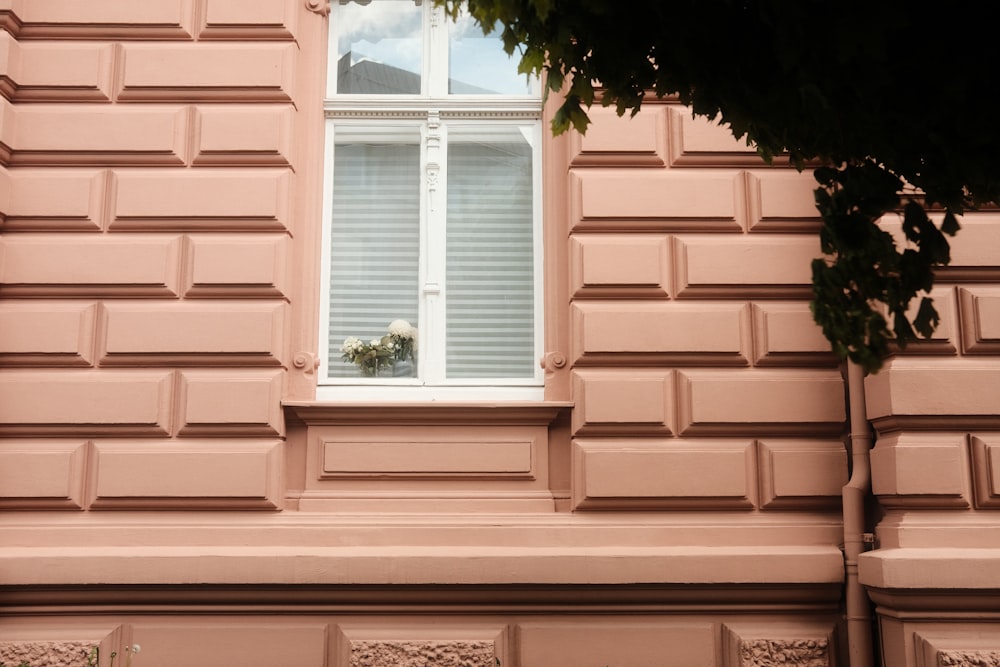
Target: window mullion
(432,336)
(437,53)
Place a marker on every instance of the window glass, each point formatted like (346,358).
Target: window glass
(375,236)
(478,65)
(379,47)
(490,273)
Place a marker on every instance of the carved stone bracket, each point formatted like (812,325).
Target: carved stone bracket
(321,7)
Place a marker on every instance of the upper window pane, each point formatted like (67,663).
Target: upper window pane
(379,47)
(478,65)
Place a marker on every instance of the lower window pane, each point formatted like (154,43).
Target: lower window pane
(490,282)
(375,242)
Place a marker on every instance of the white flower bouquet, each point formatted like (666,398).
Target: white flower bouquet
(380,354)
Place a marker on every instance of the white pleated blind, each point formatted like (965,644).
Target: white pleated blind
(490,279)
(374,241)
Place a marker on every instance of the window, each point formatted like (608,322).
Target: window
(432,207)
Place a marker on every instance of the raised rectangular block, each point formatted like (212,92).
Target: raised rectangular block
(52,198)
(761,402)
(236,19)
(786,335)
(237,402)
(47,333)
(42,474)
(921,470)
(782,199)
(613,140)
(623,401)
(95,134)
(614,641)
(428,459)
(801,474)
(107,19)
(52,265)
(980,316)
(697,141)
(614,199)
(208,332)
(238,266)
(661,332)
(62,71)
(986,463)
(620,265)
(40,402)
(252,199)
(663,474)
(432,453)
(944,393)
(727,266)
(234,135)
(262,72)
(190,474)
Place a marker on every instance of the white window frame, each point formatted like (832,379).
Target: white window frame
(434,112)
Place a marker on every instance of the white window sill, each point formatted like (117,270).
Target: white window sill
(411,394)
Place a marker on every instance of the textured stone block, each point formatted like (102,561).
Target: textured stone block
(760,402)
(54,653)
(96,134)
(697,141)
(191,72)
(663,474)
(800,474)
(232,265)
(622,140)
(784,334)
(51,198)
(618,642)
(42,474)
(438,642)
(53,265)
(623,401)
(40,402)
(801,643)
(232,19)
(661,332)
(614,199)
(252,199)
(634,265)
(231,402)
(234,135)
(47,333)
(921,470)
(215,332)
(188,474)
(727,266)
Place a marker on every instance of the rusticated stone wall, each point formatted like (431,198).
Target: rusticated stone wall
(148,196)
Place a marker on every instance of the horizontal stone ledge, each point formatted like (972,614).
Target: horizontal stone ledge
(407,565)
(932,568)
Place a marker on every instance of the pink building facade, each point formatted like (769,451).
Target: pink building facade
(184,468)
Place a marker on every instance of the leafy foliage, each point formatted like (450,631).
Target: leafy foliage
(889,96)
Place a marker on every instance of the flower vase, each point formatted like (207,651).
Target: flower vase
(403,368)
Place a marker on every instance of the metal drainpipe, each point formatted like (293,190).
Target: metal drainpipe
(859,617)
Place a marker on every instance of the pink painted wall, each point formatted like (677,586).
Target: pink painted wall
(674,500)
